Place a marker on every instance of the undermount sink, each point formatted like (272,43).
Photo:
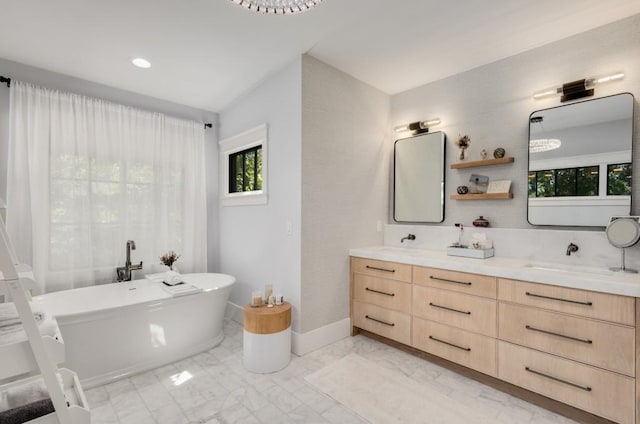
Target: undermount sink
(568,268)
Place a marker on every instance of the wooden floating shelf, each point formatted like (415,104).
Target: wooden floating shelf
(482,196)
(486,162)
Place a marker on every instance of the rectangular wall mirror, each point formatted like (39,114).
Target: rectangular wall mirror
(580,163)
(418,183)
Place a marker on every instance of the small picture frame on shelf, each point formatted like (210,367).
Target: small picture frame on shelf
(499,186)
(479,184)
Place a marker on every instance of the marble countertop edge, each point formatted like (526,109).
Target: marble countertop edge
(587,278)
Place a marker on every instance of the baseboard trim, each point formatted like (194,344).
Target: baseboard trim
(303,343)
(234,313)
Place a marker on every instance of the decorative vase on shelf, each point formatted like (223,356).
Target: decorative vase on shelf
(463,143)
(480,222)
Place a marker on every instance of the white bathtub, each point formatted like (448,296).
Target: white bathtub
(115,330)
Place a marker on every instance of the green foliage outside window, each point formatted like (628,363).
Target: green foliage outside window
(245,170)
(564,182)
(619,179)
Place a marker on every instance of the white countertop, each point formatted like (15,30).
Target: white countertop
(581,277)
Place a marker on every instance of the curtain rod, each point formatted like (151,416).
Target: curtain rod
(6,80)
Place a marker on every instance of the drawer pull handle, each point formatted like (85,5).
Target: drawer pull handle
(587,341)
(379,292)
(444,280)
(380,269)
(450,309)
(579,386)
(560,299)
(390,324)
(468,349)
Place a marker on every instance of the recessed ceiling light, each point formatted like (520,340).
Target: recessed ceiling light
(141,63)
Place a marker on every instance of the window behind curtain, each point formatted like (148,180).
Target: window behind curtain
(85,175)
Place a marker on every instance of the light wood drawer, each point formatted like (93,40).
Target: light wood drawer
(463,347)
(479,285)
(385,322)
(459,310)
(608,307)
(600,392)
(598,343)
(382,269)
(382,292)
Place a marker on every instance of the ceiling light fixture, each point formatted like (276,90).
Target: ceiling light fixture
(544,145)
(419,126)
(278,7)
(578,89)
(141,63)
(538,145)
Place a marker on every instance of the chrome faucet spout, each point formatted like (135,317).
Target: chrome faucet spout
(409,237)
(131,245)
(123,273)
(572,248)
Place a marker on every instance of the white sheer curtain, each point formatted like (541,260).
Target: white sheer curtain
(86,175)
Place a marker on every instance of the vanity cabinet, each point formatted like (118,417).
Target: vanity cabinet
(602,344)
(589,304)
(595,390)
(381,298)
(575,346)
(454,317)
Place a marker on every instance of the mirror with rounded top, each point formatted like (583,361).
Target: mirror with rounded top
(623,232)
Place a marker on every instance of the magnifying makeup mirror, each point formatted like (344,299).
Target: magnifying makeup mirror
(623,232)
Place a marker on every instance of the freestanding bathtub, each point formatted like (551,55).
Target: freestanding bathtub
(115,330)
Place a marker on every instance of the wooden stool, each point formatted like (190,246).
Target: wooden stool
(267,338)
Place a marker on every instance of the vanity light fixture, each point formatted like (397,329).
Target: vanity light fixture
(278,7)
(418,126)
(578,89)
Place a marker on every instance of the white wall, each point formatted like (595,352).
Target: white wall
(68,83)
(254,245)
(344,184)
(492,105)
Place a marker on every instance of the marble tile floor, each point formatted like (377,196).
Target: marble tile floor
(214,388)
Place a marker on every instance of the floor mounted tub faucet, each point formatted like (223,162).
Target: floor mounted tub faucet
(124,272)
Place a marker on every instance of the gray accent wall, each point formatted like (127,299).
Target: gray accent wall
(345,156)
(492,105)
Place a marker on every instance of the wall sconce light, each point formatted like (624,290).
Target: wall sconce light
(418,127)
(578,89)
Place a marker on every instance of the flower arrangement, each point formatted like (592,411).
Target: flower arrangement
(169,258)
(463,143)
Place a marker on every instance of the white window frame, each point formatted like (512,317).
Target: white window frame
(251,138)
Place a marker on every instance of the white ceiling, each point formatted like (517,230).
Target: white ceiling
(206,53)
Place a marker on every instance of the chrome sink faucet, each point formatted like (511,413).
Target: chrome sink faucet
(124,272)
(572,248)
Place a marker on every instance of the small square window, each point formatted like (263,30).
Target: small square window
(243,168)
